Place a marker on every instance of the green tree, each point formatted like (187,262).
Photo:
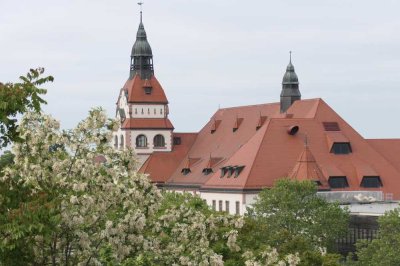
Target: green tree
(74,207)
(292,218)
(18,98)
(384,250)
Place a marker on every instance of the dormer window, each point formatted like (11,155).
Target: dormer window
(148,90)
(223,171)
(338,182)
(186,171)
(231,171)
(238,170)
(371,182)
(207,171)
(341,148)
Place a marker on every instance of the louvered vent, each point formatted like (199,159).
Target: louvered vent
(331,126)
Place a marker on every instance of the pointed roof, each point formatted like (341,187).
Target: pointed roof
(290,76)
(306,168)
(141,47)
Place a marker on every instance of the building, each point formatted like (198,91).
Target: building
(244,149)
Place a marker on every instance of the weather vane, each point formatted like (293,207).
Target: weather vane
(140,4)
(290,55)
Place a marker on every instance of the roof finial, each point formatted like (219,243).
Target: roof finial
(290,56)
(140,4)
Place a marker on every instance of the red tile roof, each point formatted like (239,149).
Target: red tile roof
(147,123)
(160,165)
(307,168)
(136,92)
(270,153)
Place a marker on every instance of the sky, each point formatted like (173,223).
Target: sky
(211,54)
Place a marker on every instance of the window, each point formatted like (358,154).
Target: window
(141,141)
(155,112)
(220,206)
(371,182)
(230,170)
(237,207)
(121,143)
(177,140)
(238,170)
(227,206)
(135,111)
(223,172)
(159,141)
(186,171)
(214,205)
(147,90)
(116,142)
(341,148)
(207,171)
(161,111)
(148,111)
(338,182)
(142,111)
(331,126)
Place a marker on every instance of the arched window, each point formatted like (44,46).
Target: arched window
(116,142)
(121,142)
(141,141)
(159,141)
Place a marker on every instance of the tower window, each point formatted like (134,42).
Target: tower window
(371,182)
(147,90)
(148,111)
(161,111)
(121,142)
(141,141)
(227,206)
(159,141)
(338,182)
(155,112)
(341,148)
(135,111)
(116,142)
(142,111)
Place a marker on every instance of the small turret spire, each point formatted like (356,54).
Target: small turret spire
(290,87)
(142,55)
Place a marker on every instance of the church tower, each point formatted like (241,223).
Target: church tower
(142,107)
(290,87)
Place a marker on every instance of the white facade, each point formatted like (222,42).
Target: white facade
(149,111)
(123,138)
(150,134)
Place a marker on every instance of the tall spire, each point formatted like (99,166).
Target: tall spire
(290,87)
(141,55)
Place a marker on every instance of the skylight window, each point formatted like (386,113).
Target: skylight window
(331,126)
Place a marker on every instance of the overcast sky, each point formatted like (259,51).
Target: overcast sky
(210,53)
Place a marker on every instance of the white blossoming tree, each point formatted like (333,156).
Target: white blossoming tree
(74,200)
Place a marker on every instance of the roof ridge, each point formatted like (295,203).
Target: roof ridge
(266,124)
